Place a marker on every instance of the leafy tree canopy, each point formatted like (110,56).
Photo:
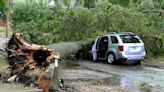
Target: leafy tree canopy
(3,8)
(42,25)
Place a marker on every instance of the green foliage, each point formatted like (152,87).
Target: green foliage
(3,5)
(29,11)
(89,3)
(159,3)
(41,25)
(74,22)
(31,19)
(154,48)
(144,4)
(120,2)
(3,8)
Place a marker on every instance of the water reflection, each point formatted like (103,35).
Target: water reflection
(126,82)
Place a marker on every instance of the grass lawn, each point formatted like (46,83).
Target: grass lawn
(2,31)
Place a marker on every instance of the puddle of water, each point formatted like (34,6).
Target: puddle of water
(123,82)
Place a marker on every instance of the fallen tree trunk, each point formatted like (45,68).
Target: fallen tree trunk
(69,49)
(65,49)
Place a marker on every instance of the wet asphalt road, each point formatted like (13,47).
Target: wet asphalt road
(136,78)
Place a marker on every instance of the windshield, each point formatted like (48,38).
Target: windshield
(129,39)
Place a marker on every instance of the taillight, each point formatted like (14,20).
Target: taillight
(121,47)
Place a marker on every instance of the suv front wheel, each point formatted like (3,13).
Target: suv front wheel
(111,58)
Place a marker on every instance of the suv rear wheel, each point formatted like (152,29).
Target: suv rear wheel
(111,58)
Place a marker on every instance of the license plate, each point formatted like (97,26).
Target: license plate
(134,49)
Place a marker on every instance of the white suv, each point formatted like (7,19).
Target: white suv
(120,47)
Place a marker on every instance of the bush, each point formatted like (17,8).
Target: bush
(153,45)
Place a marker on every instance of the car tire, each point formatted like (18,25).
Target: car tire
(111,58)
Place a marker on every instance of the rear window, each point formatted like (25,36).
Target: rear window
(129,39)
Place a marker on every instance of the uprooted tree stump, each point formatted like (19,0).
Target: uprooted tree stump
(23,57)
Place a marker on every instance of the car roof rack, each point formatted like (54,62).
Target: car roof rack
(112,33)
(125,33)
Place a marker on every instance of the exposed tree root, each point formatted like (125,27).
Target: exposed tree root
(23,57)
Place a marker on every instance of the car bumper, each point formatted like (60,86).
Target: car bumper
(131,58)
(135,57)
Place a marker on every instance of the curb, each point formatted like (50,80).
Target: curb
(157,65)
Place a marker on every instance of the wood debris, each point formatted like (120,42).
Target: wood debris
(23,57)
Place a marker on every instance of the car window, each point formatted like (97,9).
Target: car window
(129,39)
(114,39)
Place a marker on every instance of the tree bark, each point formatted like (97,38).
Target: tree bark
(69,49)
